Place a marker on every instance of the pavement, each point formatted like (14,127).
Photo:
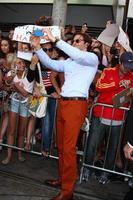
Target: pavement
(25,181)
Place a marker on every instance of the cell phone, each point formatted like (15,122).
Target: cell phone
(37,33)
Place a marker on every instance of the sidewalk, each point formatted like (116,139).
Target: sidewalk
(24,181)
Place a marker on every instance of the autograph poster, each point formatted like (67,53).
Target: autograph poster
(23,33)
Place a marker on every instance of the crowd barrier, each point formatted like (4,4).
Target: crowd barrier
(36,147)
(35,144)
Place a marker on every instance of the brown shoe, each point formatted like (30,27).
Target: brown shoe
(52,182)
(61,196)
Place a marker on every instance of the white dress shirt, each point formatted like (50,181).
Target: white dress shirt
(79,70)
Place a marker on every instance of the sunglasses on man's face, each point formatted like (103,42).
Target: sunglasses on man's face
(50,49)
(77,40)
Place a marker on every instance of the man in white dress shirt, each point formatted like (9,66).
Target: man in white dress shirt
(79,71)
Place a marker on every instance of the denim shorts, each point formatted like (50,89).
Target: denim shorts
(19,107)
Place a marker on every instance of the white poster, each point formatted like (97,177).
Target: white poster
(25,51)
(23,33)
(112,32)
(124,40)
(109,35)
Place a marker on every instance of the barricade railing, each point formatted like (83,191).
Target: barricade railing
(33,150)
(93,166)
(82,153)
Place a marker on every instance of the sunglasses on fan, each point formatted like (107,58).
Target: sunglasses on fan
(48,49)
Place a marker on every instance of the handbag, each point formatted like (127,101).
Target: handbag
(37,106)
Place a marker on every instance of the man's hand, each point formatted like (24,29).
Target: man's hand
(49,35)
(128,151)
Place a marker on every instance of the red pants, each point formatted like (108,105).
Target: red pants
(70,117)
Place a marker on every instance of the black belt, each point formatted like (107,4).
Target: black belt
(74,98)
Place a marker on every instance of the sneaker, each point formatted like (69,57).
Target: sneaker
(6,161)
(86,174)
(104,178)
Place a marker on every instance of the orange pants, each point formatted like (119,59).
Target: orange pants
(70,117)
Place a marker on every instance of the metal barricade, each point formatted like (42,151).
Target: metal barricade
(93,165)
(35,148)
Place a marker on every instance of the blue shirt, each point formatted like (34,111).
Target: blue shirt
(79,70)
